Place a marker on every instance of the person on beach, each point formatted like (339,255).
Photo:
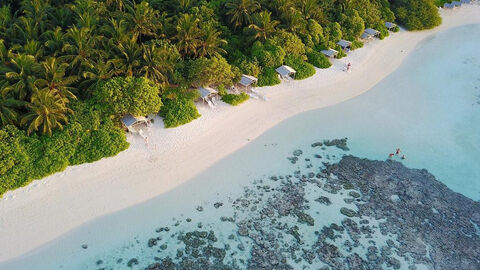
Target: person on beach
(348,66)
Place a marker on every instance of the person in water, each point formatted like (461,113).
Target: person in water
(397,152)
(390,155)
(403,157)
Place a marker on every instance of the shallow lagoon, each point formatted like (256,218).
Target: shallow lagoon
(429,108)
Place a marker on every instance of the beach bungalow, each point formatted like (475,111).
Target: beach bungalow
(456,3)
(208,95)
(369,34)
(134,124)
(390,26)
(345,44)
(372,32)
(465,1)
(248,81)
(330,53)
(286,72)
(448,6)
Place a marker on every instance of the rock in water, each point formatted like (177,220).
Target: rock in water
(449,237)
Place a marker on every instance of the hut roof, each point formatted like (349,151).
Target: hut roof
(344,43)
(390,25)
(448,5)
(371,31)
(128,120)
(456,3)
(247,80)
(329,52)
(285,70)
(465,1)
(365,36)
(206,91)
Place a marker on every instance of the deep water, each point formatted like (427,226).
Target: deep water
(281,203)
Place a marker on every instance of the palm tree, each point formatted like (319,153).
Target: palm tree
(211,42)
(188,35)
(5,55)
(37,10)
(54,79)
(34,48)
(55,40)
(5,19)
(263,25)
(116,31)
(240,11)
(25,29)
(23,69)
(309,8)
(8,112)
(158,62)
(294,21)
(143,20)
(47,111)
(80,48)
(128,57)
(102,70)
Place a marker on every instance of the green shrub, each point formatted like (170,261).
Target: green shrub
(304,69)
(356,44)
(290,43)
(396,28)
(341,52)
(89,136)
(268,77)
(268,55)
(211,72)
(318,59)
(128,95)
(179,108)
(235,100)
(416,14)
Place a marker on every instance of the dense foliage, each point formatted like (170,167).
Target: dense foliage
(417,14)
(89,136)
(179,108)
(128,95)
(235,99)
(123,55)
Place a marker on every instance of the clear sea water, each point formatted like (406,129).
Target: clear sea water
(429,108)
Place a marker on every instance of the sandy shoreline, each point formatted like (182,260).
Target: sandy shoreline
(46,209)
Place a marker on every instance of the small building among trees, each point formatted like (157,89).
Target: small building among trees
(345,44)
(247,81)
(208,95)
(286,72)
(390,26)
(134,124)
(330,53)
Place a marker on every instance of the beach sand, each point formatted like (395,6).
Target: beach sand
(47,208)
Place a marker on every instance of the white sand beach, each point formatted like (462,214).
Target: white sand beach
(44,210)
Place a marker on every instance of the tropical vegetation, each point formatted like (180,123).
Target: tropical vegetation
(69,69)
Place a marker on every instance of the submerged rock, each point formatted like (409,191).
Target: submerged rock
(348,212)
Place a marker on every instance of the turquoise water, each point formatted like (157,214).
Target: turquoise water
(429,108)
